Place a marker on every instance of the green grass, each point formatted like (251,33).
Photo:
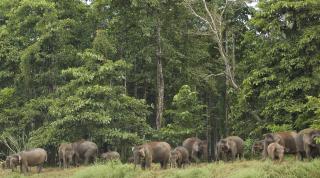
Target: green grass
(238,169)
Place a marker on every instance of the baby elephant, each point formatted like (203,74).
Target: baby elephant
(179,157)
(110,155)
(276,151)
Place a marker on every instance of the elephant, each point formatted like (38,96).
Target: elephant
(11,162)
(197,148)
(86,150)
(66,154)
(276,151)
(33,157)
(257,147)
(230,146)
(286,139)
(110,155)
(219,154)
(3,165)
(130,159)
(152,152)
(306,144)
(179,157)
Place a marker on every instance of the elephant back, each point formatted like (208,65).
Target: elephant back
(305,137)
(83,146)
(111,155)
(160,151)
(184,152)
(190,142)
(288,140)
(34,157)
(238,141)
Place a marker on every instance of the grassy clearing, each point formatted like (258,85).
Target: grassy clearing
(238,169)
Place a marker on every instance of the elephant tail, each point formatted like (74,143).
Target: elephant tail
(46,158)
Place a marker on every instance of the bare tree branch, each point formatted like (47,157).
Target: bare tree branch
(200,17)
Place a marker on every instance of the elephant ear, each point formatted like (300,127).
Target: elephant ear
(314,135)
(229,144)
(18,157)
(142,152)
(196,147)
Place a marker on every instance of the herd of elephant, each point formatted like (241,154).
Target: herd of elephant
(274,145)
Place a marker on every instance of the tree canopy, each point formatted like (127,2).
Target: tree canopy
(124,72)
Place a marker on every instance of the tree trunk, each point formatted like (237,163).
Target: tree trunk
(160,81)
(226,107)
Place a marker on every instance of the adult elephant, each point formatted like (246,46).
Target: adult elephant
(84,150)
(197,148)
(152,152)
(29,158)
(66,154)
(286,139)
(229,148)
(306,143)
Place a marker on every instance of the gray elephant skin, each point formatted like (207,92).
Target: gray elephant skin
(110,155)
(84,150)
(229,148)
(66,154)
(29,158)
(179,157)
(152,152)
(276,151)
(286,139)
(11,162)
(197,148)
(306,144)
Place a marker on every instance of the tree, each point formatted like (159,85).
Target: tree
(186,118)
(282,50)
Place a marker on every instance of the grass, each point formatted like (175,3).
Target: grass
(238,169)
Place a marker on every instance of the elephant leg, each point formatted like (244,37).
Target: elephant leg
(68,162)
(76,159)
(299,156)
(90,154)
(165,164)
(24,167)
(179,164)
(233,156)
(308,152)
(86,160)
(273,157)
(60,163)
(64,162)
(40,168)
(264,154)
(143,165)
(148,164)
(194,156)
(162,164)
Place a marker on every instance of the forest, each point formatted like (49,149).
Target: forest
(121,73)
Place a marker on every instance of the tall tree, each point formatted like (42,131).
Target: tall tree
(283,57)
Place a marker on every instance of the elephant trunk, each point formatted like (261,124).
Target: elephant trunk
(136,161)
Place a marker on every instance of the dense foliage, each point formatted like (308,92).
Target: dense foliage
(93,69)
